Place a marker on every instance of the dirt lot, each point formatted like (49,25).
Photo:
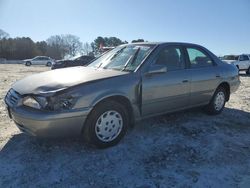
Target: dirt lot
(185,149)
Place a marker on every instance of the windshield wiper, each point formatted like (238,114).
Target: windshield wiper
(118,52)
(133,57)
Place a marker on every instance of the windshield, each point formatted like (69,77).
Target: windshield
(230,57)
(124,58)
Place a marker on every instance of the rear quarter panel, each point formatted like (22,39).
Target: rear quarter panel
(230,75)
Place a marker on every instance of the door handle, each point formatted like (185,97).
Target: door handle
(217,76)
(184,81)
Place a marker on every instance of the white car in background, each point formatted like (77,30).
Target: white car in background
(39,60)
(242,62)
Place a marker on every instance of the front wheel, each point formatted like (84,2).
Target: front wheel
(106,124)
(217,103)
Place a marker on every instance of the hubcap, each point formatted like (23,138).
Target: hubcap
(219,101)
(108,126)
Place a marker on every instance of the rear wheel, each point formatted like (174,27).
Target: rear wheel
(218,101)
(49,64)
(28,63)
(106,124)
(248,70)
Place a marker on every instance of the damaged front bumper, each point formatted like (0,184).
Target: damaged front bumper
(46,123)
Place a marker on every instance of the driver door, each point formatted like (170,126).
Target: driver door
(169,90)
(37,61)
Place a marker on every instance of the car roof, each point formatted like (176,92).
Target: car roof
(41,56)
(166,43)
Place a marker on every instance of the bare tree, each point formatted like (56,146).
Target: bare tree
(64,45)
(87,48)
(73,44)
(3,34)
(56,47)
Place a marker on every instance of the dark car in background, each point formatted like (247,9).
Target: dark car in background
(79,61)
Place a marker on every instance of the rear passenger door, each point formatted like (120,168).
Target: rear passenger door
(44,60)
(205,76)
(40,61)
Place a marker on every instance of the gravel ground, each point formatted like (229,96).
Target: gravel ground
(185,149)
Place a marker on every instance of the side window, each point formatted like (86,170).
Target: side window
(243,58)
(172,57)
(198,59)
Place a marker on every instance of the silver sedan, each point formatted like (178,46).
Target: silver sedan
(125,85)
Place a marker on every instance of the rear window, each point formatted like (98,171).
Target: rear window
(198,59)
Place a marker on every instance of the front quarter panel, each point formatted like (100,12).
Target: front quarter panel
(92,93)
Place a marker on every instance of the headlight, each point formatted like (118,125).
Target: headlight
(35,102)
(57,103)
(31,102)
(62,102)
(42,101)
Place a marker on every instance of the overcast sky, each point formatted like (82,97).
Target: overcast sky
(223,26)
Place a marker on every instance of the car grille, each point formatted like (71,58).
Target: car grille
(12,98)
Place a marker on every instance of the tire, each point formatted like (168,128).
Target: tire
(217,103)
(106,125)
(49,64)
(28,63)
(248,70)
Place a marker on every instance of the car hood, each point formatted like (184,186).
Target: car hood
(27,59)
(59,79)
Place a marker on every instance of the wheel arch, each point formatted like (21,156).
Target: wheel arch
(120,98)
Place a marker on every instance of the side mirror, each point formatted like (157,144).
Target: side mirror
(156,69)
